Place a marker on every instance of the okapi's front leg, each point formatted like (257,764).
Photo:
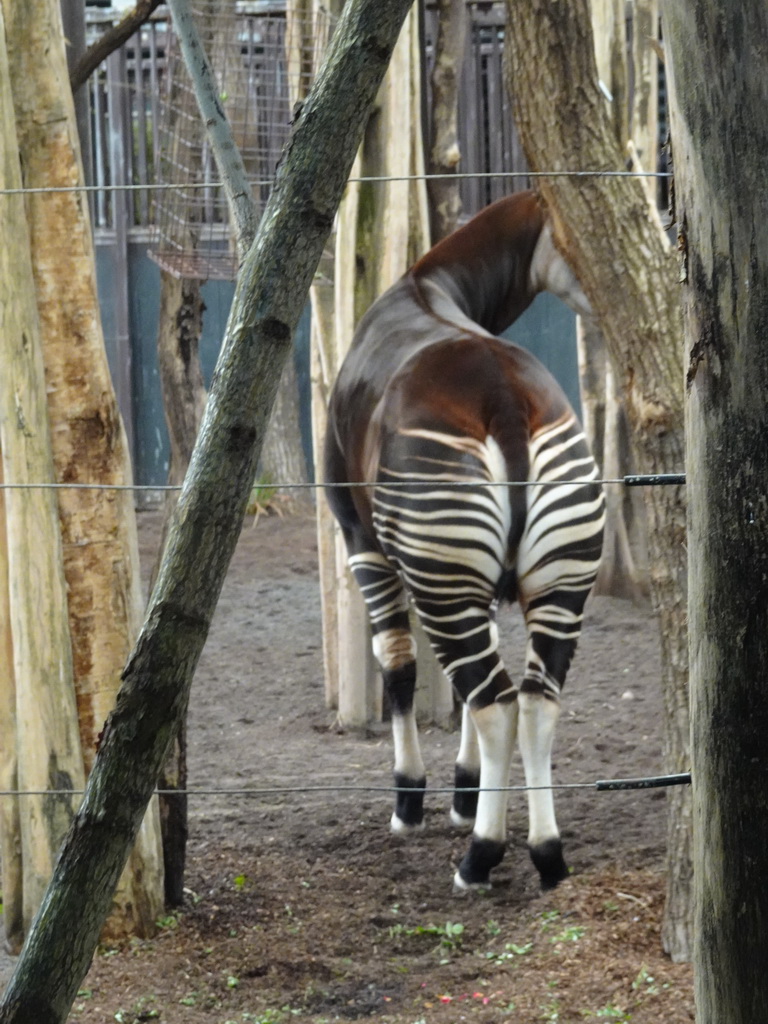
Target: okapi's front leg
(395,651)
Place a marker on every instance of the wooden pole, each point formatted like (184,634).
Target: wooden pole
(719,108)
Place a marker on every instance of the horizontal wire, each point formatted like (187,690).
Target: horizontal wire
(170,186)
(651,480)
(601,785)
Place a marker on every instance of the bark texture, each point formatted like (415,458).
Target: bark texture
(184,397)
(100,547)
(271,293)
(444,153)
(719,104)
(612,237)
(43,750)
(382,229)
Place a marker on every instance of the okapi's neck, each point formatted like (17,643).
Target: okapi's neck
(494,266)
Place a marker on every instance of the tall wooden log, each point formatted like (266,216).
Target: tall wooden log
(382,228)
(99,541)
(719,106)
(12,877)
(46,741)
(613,239)
(444,151)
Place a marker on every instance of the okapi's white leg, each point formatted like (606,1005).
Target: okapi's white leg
(395,651)
(466,773)
(496,725)
(536,733)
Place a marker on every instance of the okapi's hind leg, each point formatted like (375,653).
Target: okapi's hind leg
(553,630)
(466,774)
(467,770)
(395,651)
(465,640)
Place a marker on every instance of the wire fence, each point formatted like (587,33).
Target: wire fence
(368,179)
(600,786)
(633,480)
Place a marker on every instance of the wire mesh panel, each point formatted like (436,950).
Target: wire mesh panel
(123,94)
(262,57)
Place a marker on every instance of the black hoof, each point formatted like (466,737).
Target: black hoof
(409,802)
(548,860)
(465,804)
(475,869)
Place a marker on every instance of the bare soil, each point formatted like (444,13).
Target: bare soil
(303,907)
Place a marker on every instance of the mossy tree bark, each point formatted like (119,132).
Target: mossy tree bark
(612,236)
(270,296)
(719,105)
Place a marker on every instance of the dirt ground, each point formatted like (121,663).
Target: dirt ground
(303,907)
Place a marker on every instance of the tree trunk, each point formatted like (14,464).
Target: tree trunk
(12,877)
(282,460)
(184,397)
(644,114)
(382,229)
(100,546)
(609,32)
(45,751)
(628,256)
(444,153)
(719,107)
(271,294)
(619,575)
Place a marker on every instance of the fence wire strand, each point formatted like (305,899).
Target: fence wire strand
(657,480)
(162,186)
(600,786)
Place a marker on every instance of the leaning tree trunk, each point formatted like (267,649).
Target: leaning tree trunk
(100,545)
(270,297)
(613,238)
(719,108)
(38,696)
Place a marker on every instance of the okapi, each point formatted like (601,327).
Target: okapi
(434,414)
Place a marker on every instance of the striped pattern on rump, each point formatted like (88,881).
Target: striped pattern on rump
(450,545)
(559,552)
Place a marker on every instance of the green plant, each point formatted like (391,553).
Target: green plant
(169,921)
(570,934)
(548,918)
(139,1012)
(240,882)
(493,927)
(450,934)
(611,1013)
(510,952)
(551,1012)
(645,982)
(264,498)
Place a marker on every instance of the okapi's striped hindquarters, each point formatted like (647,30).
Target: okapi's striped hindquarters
(481,488)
